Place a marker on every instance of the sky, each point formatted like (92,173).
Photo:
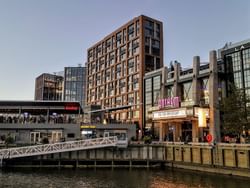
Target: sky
(44,36)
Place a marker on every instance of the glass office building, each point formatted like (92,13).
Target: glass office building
(74,84)
(236,58)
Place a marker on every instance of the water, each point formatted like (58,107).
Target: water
(117,178)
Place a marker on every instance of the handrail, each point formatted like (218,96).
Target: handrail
(58,147)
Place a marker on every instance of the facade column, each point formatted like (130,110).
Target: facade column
(214,128)
(195,131)
(200,137)
(195,83)
(161,132)
(167,131)
(176,89)
(179,132)
(163,81)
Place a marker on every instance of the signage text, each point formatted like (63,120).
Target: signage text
(169,102)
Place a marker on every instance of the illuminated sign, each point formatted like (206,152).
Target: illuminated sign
(71,107)
(202,121)
(88,126)
(87,132)
(169,102)
(167,114)
(196,112)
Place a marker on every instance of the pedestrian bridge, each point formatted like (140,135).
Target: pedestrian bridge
(60,147)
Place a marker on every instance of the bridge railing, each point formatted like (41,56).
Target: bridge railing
(58,147)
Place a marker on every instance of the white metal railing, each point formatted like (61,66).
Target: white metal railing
(186,76)
(234,145)
(58,147)
(203,71)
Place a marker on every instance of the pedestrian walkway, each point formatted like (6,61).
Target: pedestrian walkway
(58,147)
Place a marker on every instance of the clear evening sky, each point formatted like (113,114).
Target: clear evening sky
(39,36)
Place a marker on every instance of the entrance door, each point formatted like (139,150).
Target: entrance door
(186,132)
(35,137)
(106,134)
(170,135)
(56,136)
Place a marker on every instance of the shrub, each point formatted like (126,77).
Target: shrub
(9,140)
(133,138)
(3,137)
(147,139)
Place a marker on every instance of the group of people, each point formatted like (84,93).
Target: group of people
(23,119)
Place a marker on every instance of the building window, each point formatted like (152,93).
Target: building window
(148,85)
(204,91)
(233,62)
(136,82)
(238,80)
(118,39)
(130,31)
(136,114)
(130,66)
(118,71)
(124,68)
(170,91)
(186,91)
(131,98)
(156,88)
(247,78)
(246,58)
(149,63)
(130,83)
(137,28)
(71,135)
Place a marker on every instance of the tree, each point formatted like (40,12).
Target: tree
(234,112)
(9,140)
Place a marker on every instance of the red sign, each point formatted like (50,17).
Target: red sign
(209,137)
(71,107)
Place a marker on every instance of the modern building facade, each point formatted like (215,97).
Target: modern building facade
(49,87)
(236,58)
(74,84)
(116,66)
(182,105)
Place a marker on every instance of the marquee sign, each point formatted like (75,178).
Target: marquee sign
(169,102)
(167,114)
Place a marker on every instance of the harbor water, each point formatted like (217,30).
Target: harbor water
(117,178)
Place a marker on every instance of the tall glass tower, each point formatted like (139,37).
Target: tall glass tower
(74,84)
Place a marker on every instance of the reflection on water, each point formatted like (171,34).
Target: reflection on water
(121,178)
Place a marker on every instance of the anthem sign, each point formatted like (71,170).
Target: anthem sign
(173,102)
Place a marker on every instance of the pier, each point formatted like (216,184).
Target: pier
(231,159)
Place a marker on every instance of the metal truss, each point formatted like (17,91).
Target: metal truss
(57,147)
